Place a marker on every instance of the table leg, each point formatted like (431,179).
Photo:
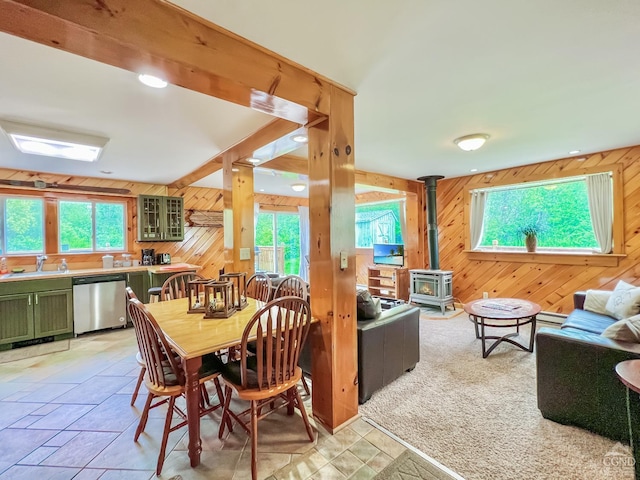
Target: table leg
(192,393)
(633,414)
(533,333)
(485,354)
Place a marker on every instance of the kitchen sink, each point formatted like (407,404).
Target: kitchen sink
(33,274)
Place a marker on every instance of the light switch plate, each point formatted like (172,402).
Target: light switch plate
(245,254)
(344,260)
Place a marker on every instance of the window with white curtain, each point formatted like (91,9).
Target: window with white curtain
(558,210)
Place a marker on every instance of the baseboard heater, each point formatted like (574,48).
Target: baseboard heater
(550,317)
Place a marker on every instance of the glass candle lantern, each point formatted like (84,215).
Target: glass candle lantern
(239,294)
(218,301)
(196,295)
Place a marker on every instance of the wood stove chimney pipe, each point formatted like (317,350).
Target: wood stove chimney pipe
(432,219)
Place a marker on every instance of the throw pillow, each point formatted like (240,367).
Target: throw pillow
(596,301)
(625,330)
(366,305)
(624,301)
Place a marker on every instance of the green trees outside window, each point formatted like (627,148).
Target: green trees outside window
(558,211)
(22,226)
(278,243)
(91,226)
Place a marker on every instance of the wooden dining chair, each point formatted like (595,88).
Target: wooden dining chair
(130,294)
(177,286)
(259,286)
(297,287)
(281,327)
(292,285)
(164,376)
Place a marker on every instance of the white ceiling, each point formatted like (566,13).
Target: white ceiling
(542,78)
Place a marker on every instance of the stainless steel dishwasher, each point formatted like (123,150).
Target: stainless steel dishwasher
(99,302)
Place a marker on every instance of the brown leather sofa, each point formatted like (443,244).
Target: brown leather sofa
(388,346)
(577,384)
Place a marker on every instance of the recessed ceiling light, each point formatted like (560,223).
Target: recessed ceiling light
(300,138)
(298,187)
(234,169)
(471,142)
(152,81)
(262,189)
(51,142)
(573,152)
(473,170)
(253,160)
(106,172)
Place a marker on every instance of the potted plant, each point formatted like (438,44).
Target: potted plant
(530,233)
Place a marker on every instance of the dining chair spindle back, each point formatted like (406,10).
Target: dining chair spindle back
(259,286)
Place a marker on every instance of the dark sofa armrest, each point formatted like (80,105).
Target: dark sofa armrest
(578,300)
(576,380)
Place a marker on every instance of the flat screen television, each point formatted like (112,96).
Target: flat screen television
(388,254)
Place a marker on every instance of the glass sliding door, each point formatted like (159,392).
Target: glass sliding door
(278,243)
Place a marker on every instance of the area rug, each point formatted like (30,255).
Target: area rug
(434,313)
(410,466)
(479,416)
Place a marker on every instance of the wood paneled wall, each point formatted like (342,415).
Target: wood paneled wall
(550,285)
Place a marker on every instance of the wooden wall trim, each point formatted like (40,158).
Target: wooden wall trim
(597,260)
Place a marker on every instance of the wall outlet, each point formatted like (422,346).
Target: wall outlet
(344,260)
(485,294)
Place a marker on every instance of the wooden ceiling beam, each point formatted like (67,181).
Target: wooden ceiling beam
(272,131)
(288,163)
(197,54)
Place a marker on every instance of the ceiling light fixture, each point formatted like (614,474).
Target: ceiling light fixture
(473,170)
(254,160)
(298,187)
(472,142)
(300,138)
(234,169)
(573,152)
(152,81)
(51,142)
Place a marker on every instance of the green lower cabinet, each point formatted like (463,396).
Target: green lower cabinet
(35,309)
(53,313)
(139,283)
(16,318)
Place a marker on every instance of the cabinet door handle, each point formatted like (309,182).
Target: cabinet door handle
(36,298)
(29,299)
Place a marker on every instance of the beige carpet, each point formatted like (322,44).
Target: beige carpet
(479,416)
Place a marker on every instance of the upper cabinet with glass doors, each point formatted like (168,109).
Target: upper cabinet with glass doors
(160,219)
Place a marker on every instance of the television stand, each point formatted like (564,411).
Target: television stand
(388,282)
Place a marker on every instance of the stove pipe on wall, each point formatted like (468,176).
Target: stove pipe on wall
(432,219)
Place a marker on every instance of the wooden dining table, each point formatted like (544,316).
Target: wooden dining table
(192,336)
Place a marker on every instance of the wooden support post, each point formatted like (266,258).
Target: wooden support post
(332,232)
(238,218)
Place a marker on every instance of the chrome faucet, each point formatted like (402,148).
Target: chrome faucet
(40,262)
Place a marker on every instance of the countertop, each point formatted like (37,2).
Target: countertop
(49,274)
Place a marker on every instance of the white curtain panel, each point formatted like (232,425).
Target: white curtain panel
(476,222)
(600,192)
(304,241)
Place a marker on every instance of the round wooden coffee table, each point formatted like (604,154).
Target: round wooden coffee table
(502,313)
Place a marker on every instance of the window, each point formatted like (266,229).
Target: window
(22,226)
(88,226)
(557,210)
(378,223)
(579,215)
(278,243)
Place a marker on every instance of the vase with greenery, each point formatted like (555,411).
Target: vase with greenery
(530,233)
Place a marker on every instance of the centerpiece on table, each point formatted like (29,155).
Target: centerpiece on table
(239,293)
(218,300)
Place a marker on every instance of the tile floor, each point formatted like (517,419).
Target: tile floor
(66,415)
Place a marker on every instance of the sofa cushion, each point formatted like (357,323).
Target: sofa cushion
(624,301)
(625,330)
(596,301)
(366,306)
(587,321)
